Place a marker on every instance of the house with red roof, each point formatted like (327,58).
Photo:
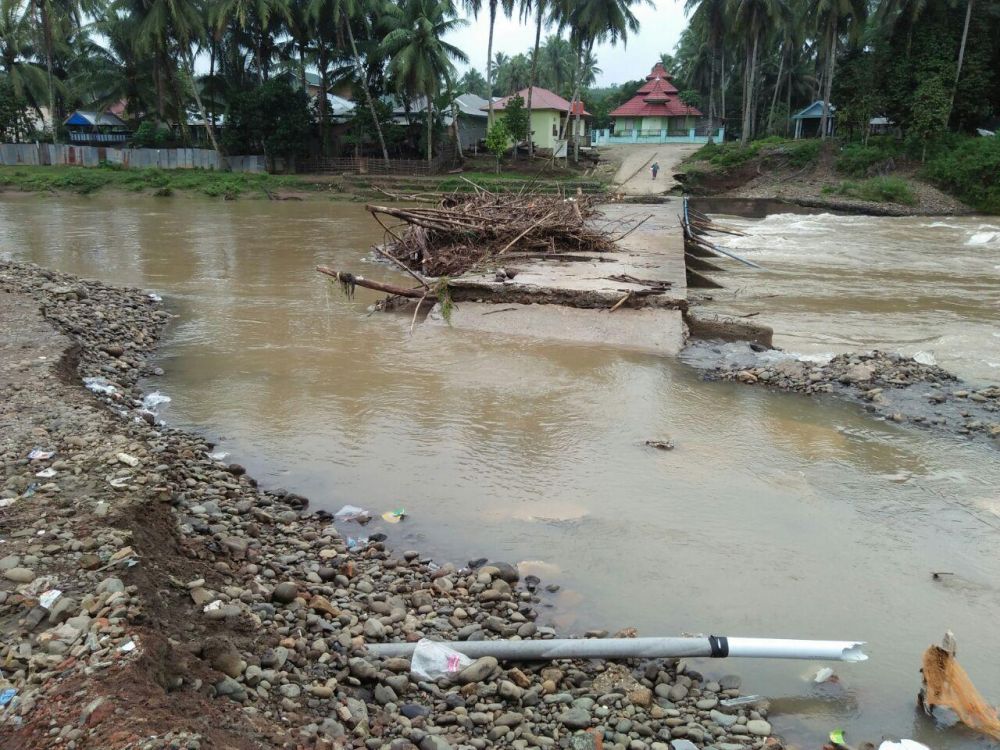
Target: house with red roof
(548,111)
(656,114)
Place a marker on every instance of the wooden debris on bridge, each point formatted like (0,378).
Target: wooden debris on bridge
(467,230)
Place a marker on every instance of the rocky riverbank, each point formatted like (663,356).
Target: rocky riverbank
(892,386)
(153,596)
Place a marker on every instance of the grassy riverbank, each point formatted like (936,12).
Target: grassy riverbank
(953,176)
(84,180)
(232,185)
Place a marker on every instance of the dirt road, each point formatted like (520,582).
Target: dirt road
(633,177)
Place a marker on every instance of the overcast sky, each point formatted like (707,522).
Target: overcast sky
(660,27)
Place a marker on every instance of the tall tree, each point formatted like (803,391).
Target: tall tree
(831,16)
(526,9)
(475,6)
(753,17)
(342,13)
(179,25)
(420,59)
(592,21)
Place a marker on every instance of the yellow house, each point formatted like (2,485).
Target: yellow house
(548,111)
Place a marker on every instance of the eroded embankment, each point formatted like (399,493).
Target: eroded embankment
(197,610)
(891,386)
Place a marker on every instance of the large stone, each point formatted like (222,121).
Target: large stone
(575,718)
(362,668)
(723,720)
(434,742)
(759,728)
(284,593)
(229,686)
(19,575)
(478,671)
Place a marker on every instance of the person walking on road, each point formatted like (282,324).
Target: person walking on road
(654,168)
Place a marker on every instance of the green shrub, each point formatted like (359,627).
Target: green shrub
(970,170)
(876,190)
(859,160)
(804,152)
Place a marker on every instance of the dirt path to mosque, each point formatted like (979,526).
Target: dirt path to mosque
(633,176)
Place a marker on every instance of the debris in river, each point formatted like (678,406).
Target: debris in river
(465,229)
(663,445)
(352,513)
(902,745)
(824,675)
(40,455)
(394,516)
(837,738)
(946,685)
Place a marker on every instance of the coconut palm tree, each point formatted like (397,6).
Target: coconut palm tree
(753,17)
(17,50)
(592,21)
(474,7)
(342,13)
(831,16)
(420,59)
(539,9)
(165,26)
(708,17)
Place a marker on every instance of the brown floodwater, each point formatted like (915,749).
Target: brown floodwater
(775,515)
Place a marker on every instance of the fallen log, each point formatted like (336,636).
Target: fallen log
(349,281)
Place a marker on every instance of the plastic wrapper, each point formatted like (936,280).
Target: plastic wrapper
(431,660)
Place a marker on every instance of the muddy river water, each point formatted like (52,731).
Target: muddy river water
(774,516)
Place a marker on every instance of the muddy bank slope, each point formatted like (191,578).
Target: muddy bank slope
(152,596)
(780,173)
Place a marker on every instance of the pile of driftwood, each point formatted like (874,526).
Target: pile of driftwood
(468,230)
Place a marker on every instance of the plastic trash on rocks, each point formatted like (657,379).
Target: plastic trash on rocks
(46,473)
(431,660)
(48,598)
(151,400)
(40,455)
(902,745)
(99,385)
(394,516)
(824,675)
(352,513)
(357,542)
(6,696)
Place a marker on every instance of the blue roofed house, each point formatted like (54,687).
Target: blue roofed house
(90,128)
(808,121)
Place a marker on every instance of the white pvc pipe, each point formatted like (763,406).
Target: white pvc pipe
(646,648)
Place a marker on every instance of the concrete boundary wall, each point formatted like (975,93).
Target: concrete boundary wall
(48,154)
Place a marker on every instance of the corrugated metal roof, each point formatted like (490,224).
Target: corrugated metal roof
(813,111)
(88,118)
(540,99)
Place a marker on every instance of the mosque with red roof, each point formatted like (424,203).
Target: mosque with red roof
(655,108)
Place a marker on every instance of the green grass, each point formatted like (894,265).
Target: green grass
(861,160)
(876,190)
(970,170)
(86,180)
(726,155)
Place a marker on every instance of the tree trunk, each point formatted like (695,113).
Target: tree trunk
(961,56)
(748,99)
(777,87)
(534,72)
(430,120)
(489,64)
(723,83)
(828,83)
(788,93)
(323,64)
(579,114)
(364,85)
(46,21)
(211,73)
(197,100)
(302,67)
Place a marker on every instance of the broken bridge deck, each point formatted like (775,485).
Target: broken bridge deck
(633,298)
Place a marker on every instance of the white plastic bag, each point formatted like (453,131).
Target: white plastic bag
(431,660)
(902,745)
